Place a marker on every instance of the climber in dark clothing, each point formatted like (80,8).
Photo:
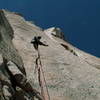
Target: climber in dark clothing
(36,42)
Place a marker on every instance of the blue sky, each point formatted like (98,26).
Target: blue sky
(79,19)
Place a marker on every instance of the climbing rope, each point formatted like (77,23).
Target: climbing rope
(41,78)
(42,82)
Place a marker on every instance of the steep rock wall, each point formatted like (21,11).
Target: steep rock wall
(70,73)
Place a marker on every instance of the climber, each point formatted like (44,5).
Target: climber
(36,42)
(42,82)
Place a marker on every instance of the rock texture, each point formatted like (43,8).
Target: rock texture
(70,73)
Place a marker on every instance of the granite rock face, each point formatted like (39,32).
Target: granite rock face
(7,48)
(70,73)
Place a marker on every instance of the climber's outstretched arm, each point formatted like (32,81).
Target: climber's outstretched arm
(41,43)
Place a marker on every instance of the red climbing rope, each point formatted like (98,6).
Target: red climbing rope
(41,78)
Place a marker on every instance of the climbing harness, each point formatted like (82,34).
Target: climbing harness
(38,67)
